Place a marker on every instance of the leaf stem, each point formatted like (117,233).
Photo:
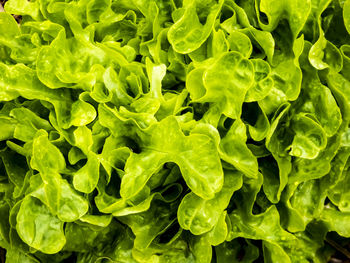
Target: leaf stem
(338,247)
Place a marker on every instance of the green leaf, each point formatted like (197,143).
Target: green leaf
(199,215)
(346,15)
(12,30)
(13,256)
(21,7)
(39,228)
(296,12)
(188,152)
(263,81)
(86,178)
(231,251)
(225,81)
(188,34)
(309,138)
(47,157)
(336,221)
(241,43)
(212,130)
(233,149)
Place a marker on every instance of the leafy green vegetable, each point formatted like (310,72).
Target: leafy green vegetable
(174,130)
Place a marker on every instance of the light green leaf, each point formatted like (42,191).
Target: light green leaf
(225,81)
(47,157)
(188,34)
(39,228)
(165,142)
(86,178)
(346,15)
(199,215)
(233,149)
(309,137)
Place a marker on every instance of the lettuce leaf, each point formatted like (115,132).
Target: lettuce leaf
(174,130)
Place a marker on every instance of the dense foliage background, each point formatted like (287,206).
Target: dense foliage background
(174,131)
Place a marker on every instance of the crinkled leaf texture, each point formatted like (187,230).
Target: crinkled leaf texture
(139,131)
